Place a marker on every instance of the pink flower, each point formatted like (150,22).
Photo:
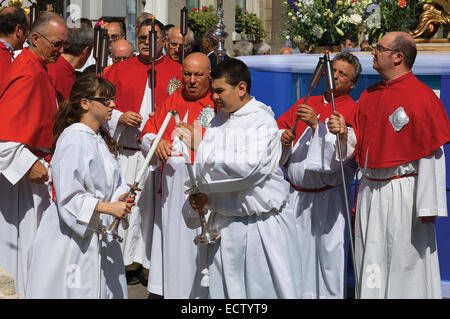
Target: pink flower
(204,8)
(401,3)
(245,11)
(354,0)
(194,9)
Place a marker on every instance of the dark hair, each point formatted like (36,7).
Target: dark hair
(158,23)
(209,36)
(408,48)
(9,19)
(70,111)
(234,71)
(352,60)
(168,26)
(79,39)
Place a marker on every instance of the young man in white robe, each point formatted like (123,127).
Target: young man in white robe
(312,168)
(240,180)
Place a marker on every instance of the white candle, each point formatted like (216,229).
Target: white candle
(187,158)
(154,145)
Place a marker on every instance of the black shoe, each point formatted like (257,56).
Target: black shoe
(133,276)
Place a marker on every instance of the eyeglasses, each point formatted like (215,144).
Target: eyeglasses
(115,37)
(143,38)
(174,45)
(56,45)
(122,58)
(106,101)
(380,48)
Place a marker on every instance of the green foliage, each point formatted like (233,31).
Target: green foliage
(202,20)
(250,24)
(395,15)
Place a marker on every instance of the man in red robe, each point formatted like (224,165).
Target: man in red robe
(28,107)
(401,126)
(176,261)
(316,193)
(76,52)
(132,80)
(14,30)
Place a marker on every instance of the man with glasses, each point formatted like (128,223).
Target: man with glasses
(28,106)
(401,126)
(121,50)
(132,80)
(174,46)
(14,30)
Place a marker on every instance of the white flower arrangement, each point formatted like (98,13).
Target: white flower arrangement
(324,22)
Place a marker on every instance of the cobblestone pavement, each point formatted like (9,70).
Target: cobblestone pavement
(138,291)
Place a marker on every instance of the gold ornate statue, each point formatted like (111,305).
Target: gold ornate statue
(15,3)
(431,15)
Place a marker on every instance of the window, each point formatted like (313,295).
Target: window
(190,4)
(242,4)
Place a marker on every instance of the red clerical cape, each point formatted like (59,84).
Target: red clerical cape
(344,105)
(62,76)
(177,102)
(5,59)
(27,102)
(427,129)
(130,77)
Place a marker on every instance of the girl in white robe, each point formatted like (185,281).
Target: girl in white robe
(69,257)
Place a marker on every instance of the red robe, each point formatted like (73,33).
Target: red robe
(177,103)
(344,105)
(62,76)
(130,77)
(27,102)
(428,127)
(5,59)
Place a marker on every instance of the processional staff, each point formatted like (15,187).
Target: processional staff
(34,13)
(330,88)
(219,34)
(100,51)
(183,31)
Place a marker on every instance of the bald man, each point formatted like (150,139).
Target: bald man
(176,274)
(28,106)
(121,50)
(401,126)
(174,46)
(286,50)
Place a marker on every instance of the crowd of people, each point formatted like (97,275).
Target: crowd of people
(72,143)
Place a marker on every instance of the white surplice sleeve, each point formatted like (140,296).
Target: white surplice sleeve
(15,160)
(431,198)
(242,164)
(322,154)
(112,126)
(74,189)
